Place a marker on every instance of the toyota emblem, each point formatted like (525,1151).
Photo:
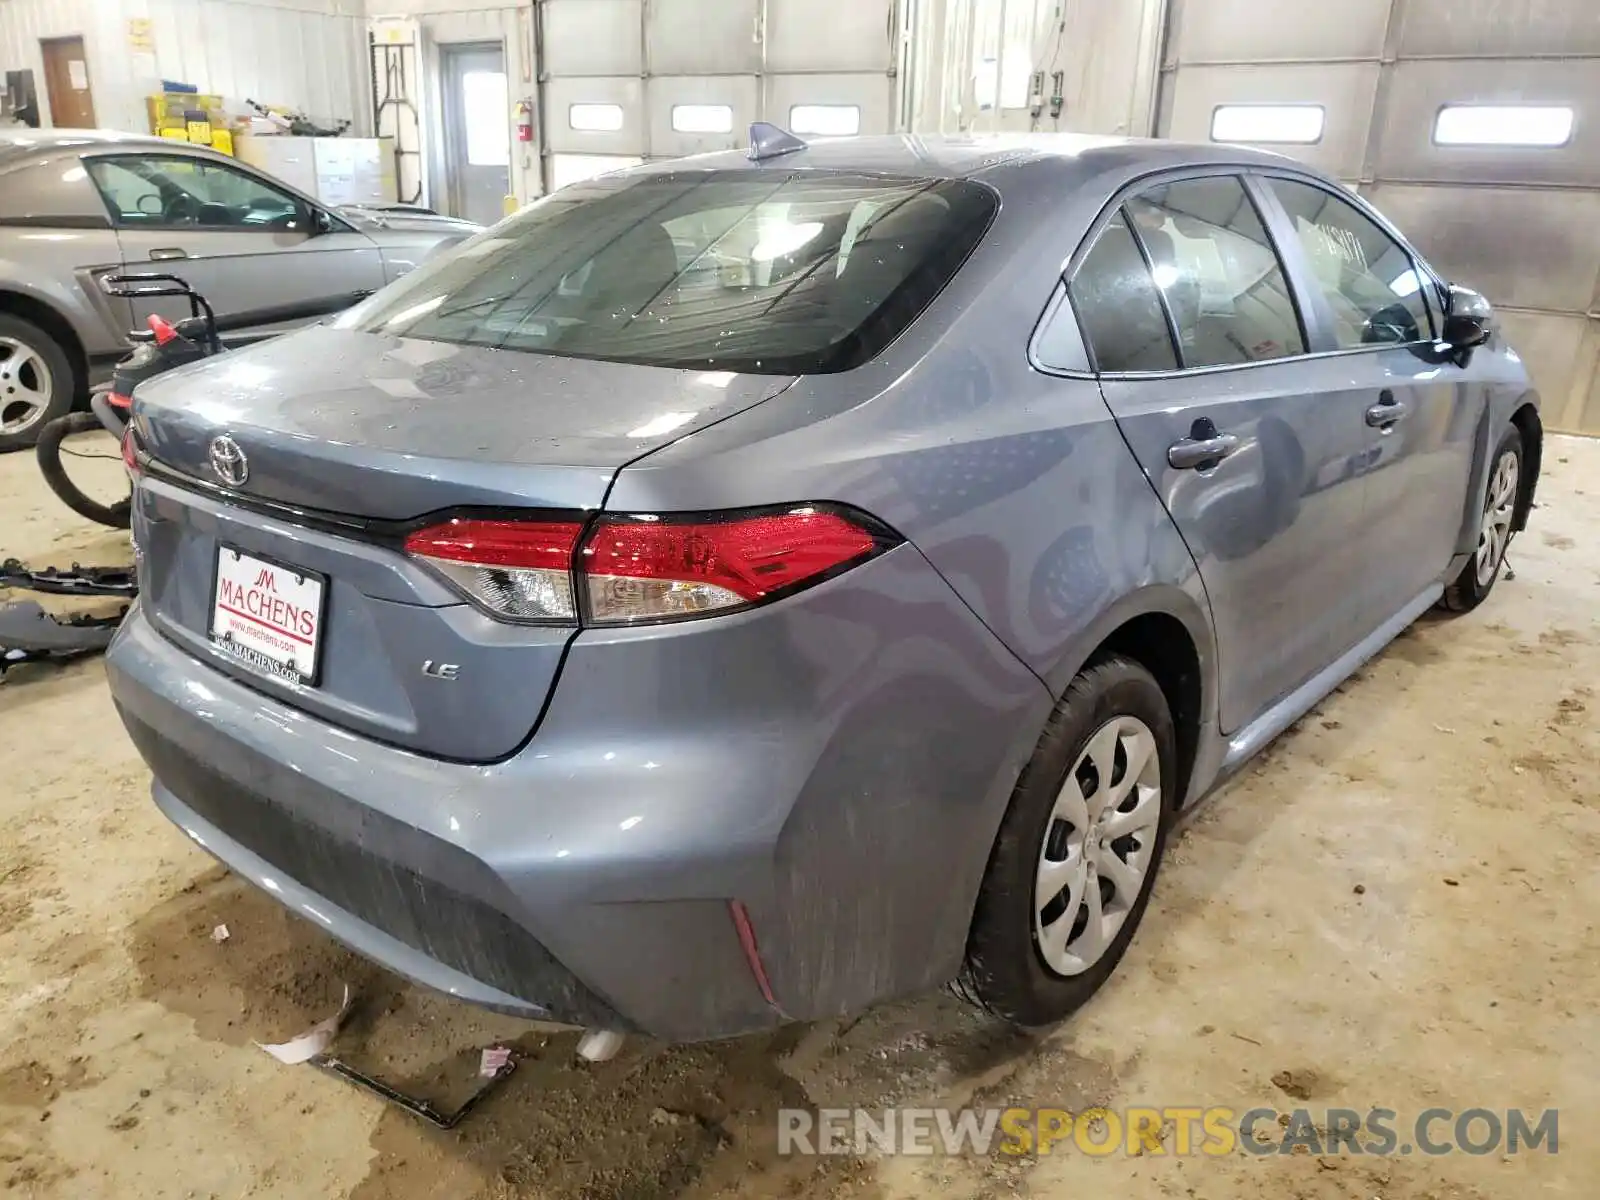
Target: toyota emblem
(228,461)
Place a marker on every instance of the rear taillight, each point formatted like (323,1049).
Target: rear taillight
(520,570)
(651,570)
(130,451)
(644,568)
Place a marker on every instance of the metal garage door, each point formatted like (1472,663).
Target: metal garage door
(1408,91)
(628,80)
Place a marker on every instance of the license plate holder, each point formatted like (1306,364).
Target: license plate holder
(268,615)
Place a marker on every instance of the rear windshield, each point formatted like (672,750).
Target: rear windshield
(734,271)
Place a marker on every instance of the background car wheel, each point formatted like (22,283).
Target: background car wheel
(1477,578)
(1077,853)
(36,382)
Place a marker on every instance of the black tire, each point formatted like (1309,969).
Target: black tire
(48,450)
(63,384)
(1467,590)
(1005,971)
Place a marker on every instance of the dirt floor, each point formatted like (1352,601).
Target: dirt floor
(1394,907)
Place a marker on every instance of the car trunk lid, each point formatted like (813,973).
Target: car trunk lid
(347,440)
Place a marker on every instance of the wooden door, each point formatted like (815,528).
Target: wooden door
(66,81)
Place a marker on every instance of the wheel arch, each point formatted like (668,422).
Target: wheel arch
(1526,419)
(1166,628)
(41,313)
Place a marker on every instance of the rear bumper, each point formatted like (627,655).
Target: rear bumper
(837,764)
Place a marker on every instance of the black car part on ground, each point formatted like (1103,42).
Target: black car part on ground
(30,634)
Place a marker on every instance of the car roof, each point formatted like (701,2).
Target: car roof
(21,143)
(992,157)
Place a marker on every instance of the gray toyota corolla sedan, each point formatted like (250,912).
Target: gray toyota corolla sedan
(733,591)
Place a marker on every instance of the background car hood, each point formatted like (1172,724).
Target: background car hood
(403,219)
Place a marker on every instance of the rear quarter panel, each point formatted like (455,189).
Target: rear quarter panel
(1015,486)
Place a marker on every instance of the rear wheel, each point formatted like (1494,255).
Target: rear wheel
(1472,587)
(36,381)
(1071,870)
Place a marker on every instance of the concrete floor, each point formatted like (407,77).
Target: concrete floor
(1394,907)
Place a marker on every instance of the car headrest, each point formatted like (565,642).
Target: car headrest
(635,267)
(1160,245)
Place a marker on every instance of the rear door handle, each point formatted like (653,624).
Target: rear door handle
(1387,411)
(167,252)
(1199,453)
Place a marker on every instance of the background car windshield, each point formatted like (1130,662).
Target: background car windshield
(798,273)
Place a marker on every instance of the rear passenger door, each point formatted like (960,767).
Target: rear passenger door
(1371,297)
(1200,349)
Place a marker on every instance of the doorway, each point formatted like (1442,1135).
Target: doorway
(66,83)
(477,130)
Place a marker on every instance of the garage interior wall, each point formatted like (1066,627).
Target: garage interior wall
(628,80)
(1085,66)
(1519,223)
(616,82)
(454,22)
(306,54)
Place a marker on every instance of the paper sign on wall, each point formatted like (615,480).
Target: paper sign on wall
(78,74)
(141,35)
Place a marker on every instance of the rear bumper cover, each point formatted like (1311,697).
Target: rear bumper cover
(837,763)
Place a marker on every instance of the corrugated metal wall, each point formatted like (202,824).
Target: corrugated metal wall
(1518,222)
(674,77)
(308,54)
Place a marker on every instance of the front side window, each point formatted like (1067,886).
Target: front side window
(158,192)
(1218,271)
(1370,282)
(738,271)
(1119,307)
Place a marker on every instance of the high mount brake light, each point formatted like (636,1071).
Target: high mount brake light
(634,569)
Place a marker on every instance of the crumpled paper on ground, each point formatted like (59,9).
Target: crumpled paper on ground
(493,1060)
(314,1040)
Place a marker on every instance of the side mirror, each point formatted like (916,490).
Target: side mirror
(1469,319)
(318,222)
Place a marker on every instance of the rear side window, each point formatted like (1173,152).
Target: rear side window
(793,273)
(1119,307)
(1218,271)
(1370,282)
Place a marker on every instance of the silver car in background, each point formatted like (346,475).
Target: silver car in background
(77,205)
